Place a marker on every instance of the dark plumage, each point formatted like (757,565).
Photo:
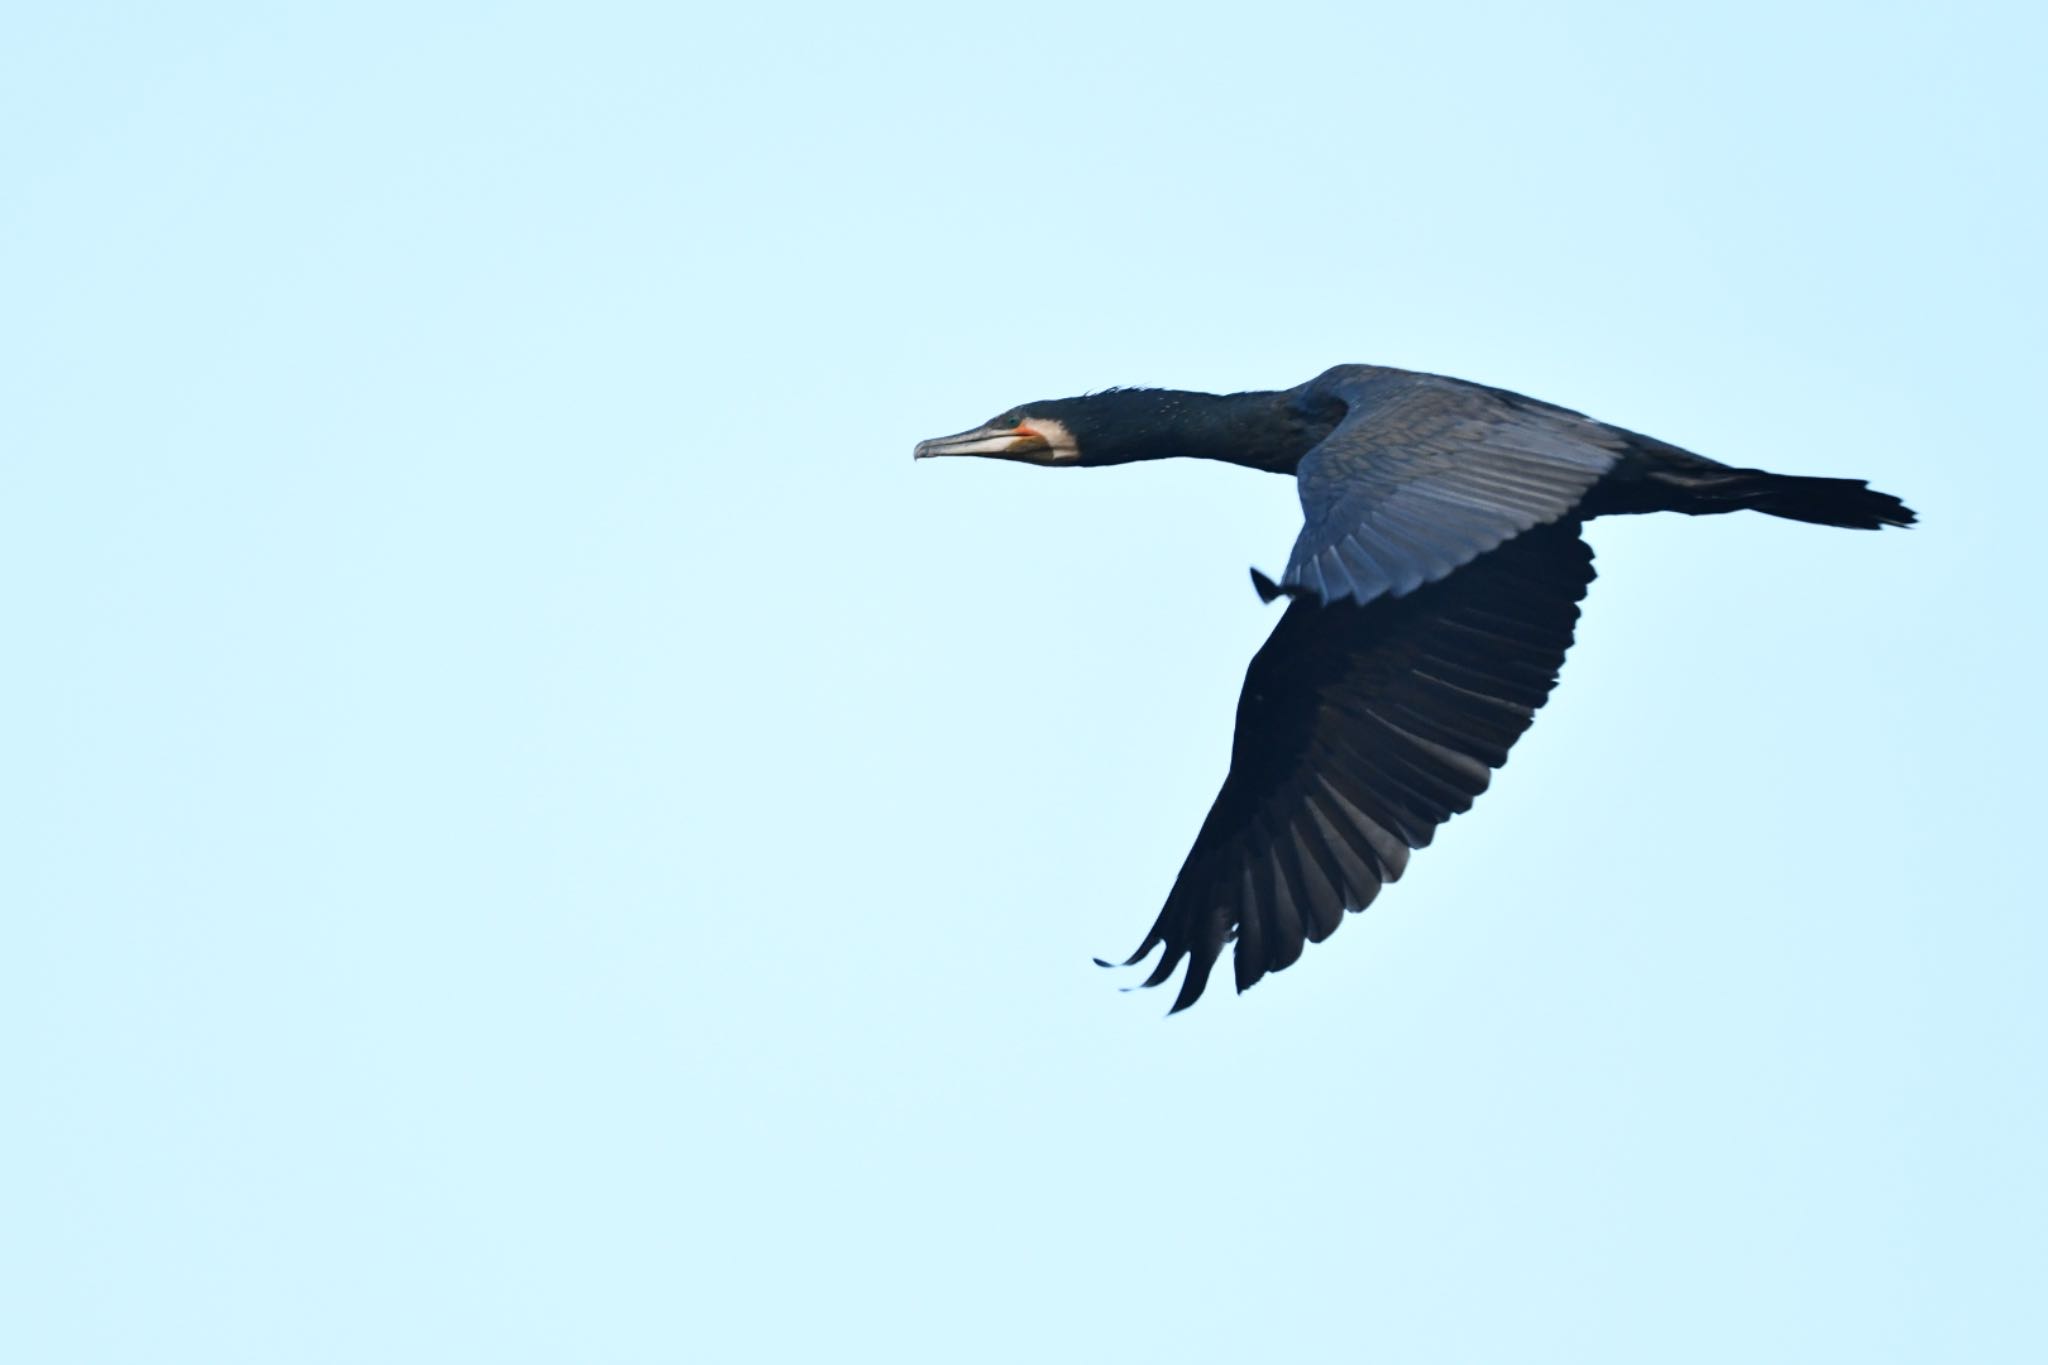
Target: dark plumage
(1434,588)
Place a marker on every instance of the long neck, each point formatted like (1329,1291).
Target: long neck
(1260,430)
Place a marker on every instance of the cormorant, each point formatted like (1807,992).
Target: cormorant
(1433,591)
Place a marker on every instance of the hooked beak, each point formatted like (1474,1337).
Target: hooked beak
(994,442)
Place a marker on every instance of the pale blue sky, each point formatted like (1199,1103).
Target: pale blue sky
(532,832)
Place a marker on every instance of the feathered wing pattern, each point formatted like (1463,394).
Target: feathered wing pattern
(1361,728)
(1425,474)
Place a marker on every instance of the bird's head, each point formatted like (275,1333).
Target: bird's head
(1037,433)
(1115,426)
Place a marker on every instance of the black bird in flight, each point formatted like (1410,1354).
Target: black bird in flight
(1433,591)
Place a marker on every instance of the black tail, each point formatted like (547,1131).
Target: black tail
(1826,502)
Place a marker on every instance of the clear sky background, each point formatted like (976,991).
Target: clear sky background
(531,831)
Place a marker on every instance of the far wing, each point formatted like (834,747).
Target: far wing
(1426,473)
(1359,731)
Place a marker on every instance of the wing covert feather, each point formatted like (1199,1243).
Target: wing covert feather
(1425,474)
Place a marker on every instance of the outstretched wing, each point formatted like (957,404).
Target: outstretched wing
(1360,730)
(1426,473)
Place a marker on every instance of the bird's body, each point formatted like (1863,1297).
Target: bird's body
(1435,587)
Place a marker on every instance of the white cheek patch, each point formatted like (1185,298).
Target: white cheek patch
(1061,445)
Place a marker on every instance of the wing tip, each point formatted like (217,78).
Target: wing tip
(1270,592)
